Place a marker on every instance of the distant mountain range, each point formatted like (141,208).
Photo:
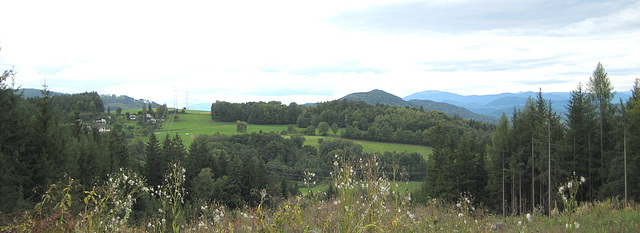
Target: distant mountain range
(113,101)
(485,108)
(382,97)
(495,105)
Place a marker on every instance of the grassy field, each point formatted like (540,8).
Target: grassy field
(187,126)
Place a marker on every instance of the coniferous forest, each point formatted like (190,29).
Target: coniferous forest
(61,171)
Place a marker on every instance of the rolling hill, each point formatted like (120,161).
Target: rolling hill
(381,97)
(113,101)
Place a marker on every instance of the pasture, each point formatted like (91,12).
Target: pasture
(194,123)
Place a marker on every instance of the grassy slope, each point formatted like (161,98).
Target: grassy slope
(187,126)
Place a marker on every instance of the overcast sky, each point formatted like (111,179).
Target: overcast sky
(310,51)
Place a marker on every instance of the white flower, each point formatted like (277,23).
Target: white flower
(460,215)
(529,217)
(582,179)
(570,184)
(459,205)
(577,225)
(519,223)
(561,189)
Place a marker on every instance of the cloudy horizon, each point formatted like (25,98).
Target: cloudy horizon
(294,51)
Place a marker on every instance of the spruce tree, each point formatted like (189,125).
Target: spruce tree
(155,162)
(497,156)
(601,94)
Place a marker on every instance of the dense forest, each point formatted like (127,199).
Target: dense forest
(108,100)
(359,120)
(518,166)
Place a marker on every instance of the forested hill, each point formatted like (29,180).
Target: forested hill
(381,97)
(33,93)
(125,102)
(377,97)
(110,101)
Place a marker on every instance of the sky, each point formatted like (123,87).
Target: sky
(312,51)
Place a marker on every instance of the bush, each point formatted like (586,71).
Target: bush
(310,130)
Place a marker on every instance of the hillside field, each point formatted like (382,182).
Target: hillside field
(194,123)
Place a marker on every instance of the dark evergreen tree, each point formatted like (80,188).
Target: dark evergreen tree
(601,94)
(12,144)
(497,156)
(633,141)
(581,128)
(155,162)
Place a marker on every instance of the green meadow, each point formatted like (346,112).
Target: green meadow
(194,123)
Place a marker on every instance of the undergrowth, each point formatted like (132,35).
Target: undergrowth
(362,200)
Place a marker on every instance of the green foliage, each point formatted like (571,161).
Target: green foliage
(310,130)
(125,102)
(323,128)
(335,128)
(241,126)
(256,113)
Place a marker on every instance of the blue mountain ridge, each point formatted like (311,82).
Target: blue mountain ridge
(495,104)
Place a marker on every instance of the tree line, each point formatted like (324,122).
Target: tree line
(358,120)
(533,152)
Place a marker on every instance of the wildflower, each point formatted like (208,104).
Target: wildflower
(460,215)
(582,179)
(459,205)
(529,217)
(570,184)
(561,189)
(519,223)
(577,225)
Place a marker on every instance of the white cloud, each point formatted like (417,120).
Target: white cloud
(282,50)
